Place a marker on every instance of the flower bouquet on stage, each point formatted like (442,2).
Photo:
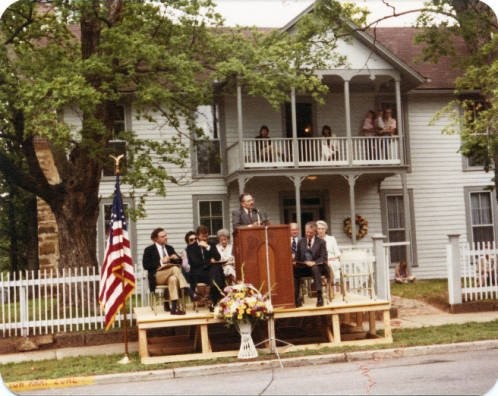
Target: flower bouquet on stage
(241,306)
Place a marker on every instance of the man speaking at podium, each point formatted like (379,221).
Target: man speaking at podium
(247,214)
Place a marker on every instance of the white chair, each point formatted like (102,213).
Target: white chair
(357,273)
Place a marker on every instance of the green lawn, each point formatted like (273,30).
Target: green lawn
(432,291)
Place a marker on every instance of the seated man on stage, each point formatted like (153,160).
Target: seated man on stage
(311,260)
(164,268)
(204,260)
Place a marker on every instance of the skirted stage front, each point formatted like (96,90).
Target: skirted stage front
(163,337)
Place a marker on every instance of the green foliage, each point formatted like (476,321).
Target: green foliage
(471,32)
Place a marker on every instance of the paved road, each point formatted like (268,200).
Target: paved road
(464,373)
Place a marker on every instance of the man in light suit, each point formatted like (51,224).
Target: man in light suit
(160,260)
(247,214)
(311,260)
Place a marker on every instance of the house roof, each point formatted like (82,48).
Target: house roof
(400,41)
(397,45)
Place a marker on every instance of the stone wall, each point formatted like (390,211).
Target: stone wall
(48,244)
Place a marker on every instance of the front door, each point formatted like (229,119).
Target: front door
(312,209)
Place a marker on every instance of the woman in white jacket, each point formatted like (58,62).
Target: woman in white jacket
(333,251)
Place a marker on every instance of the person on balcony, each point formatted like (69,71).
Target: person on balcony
(263,147)
(311,260)
(368,129)
(329,152)
(390,127)
(379,122)
(368,126)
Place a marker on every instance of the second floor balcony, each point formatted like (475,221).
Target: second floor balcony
(358,151)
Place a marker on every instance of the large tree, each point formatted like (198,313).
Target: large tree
(89,56)
(475,108)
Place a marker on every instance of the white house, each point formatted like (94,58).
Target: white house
(413,186)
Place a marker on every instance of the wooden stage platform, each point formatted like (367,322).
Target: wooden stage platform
(163,337)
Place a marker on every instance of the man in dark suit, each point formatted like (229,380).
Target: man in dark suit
(294,238)
(203,258)
(311,260)
(247,214)
(161,262)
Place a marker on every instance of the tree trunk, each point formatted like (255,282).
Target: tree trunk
(76,221)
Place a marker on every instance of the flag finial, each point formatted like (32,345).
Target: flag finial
(116,162)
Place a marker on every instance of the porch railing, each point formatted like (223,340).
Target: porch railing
(335,151)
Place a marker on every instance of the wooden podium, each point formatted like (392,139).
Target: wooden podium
(258,256)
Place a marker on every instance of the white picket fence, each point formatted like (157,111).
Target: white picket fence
(46,302)
(479,271)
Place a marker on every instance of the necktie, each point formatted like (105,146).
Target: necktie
(309,243)
(294,245)
(165,253)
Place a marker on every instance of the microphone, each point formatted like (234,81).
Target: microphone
(258,216)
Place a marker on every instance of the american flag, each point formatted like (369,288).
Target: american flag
(117,278)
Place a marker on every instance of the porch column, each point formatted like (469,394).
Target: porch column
(240,130)
(408,222)
(382,285)
(297,180)
(347,111)
(295,147)
(242,180)
(352,181)
(399,121)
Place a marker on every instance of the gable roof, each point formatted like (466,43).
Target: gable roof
(400,41)
(397,46)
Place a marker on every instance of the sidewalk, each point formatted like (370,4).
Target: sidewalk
(411,314)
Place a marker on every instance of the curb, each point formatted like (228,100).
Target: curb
(184,372)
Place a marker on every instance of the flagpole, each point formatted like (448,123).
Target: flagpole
(126,358)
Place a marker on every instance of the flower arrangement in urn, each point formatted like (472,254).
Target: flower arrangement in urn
(242,302)
(362,227)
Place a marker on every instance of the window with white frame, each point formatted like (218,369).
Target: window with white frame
(210,211)
(396,231)
(116,146)
(207,147)
(481,216)
(394,225)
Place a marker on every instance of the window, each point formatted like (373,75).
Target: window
(116,146)
(211,215)
(207,148)
(394,226)
(481,217)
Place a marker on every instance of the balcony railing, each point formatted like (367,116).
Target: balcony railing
(311,152)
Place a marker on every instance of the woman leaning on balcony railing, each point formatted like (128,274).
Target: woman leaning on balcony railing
(329,152)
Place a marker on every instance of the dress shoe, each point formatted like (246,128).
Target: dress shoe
(319,301)
(177,311)
(166,306)
(299,302)
(211,307)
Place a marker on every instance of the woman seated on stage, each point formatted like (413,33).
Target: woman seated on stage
(228,260)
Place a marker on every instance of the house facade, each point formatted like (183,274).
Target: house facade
(412,187)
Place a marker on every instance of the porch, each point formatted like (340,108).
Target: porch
(308,152)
